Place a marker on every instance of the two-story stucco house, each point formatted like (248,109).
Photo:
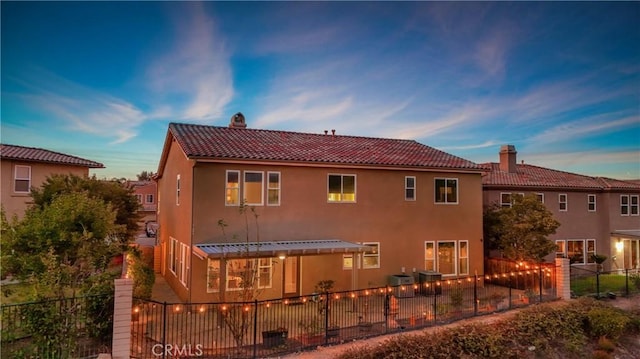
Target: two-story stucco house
(24,168)
(145,192)
(350,209)
(597,215)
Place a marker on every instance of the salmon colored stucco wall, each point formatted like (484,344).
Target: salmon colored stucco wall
(16,203)
(380,214)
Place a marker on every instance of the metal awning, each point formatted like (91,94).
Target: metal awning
(277,248)
(632,233)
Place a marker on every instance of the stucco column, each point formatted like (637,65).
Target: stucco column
(563,278)
(123,304)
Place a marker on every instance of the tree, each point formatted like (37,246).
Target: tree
(521,230)
(145,176)
(120,197)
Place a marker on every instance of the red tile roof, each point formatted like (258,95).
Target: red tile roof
(212,142)
(533,176)
(31,154)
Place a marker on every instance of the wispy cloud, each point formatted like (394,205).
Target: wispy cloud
(594,125)
(196,72)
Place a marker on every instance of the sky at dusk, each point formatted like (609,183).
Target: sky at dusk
(102,80)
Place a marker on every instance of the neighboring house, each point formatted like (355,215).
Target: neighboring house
(351,209)
(597,215)
(146,193)
(24,168)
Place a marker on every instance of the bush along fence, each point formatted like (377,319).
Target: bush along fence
(587,282)
(62,328)
(274,327)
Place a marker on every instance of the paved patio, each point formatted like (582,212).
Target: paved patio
(162,292)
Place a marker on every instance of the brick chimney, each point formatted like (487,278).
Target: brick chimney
(237,121)
(508,158)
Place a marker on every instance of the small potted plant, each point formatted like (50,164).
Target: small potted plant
(312,330)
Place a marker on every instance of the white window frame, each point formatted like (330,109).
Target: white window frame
(258,264)
(461,257)
(261,187)
(375,255)
(586,253)
(634,205)
(17,178)
(408,188)
(446,185)
(430,259)
(149,195)
(540,197)
(591,200)
(561,202)
(503,203)
(211,289)
(346,258)
(274,189)
(139,198)
(455,259)
(341,198)
(173,248)
(185,257)
(625,207)
(177,190)
(229,190)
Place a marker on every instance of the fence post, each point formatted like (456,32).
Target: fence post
(255,327)
(475,295)
(563,278)
(626,281)
(122,307)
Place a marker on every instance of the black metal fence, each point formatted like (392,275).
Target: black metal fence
(64,328)
(588,282)
(274,327)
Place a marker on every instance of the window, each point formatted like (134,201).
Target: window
(178,190)
(634,205)
(446,190)
(149,198)
(463,258)
(624,205)
(273,189)
(562,202)
(347,261)
(540,197)
(342,188)
(579,251)
(213,275)
(253,185)
(409,188)
(447,257)
(232,189)
(239,270)
(22,179)
(591,202)
(505,199)
(429,256)
(139,198)
(183,269)
(173,258)
(371,259)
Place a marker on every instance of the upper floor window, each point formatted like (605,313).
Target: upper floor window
(540,197)
(342,188)
(149,198)
(22,179)
(409,188)
(273,188)
(178,190)
(562,202)
(446,190)
(371,259)
(253,185)
(591,202)
(506,199)
(139,198)
(629,205)
(232,189)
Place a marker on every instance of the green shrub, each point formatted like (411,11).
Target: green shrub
(608,322)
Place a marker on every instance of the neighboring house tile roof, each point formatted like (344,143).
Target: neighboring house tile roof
(212,142)
(533,176)
(31,154)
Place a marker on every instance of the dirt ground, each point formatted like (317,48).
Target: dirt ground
(628,304)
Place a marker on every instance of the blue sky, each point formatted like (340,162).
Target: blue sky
(102,80)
